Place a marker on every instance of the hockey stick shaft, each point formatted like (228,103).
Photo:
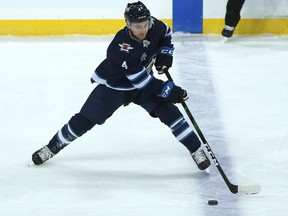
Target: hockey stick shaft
(233,188)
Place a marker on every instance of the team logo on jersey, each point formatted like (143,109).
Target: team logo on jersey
(125,47)
(146,43)
(144,56)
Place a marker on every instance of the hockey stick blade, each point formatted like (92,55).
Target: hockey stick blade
(243,190)
(249,190)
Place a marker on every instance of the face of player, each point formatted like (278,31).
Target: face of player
(139,30)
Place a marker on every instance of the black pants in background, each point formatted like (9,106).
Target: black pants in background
(233,9)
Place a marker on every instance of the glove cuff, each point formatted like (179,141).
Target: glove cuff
(166,89)
(165,50)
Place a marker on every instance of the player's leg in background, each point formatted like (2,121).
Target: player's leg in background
(232,16)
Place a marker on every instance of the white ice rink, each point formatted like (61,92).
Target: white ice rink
(132,165)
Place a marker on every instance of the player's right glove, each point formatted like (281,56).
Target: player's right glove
(172,93)
(164,59)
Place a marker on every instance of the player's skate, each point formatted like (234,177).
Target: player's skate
(228,31)
(42,155)
(201,159)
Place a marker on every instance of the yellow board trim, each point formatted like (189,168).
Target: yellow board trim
(111,26)
(249,26)
(63,27)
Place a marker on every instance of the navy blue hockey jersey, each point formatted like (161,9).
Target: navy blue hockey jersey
(128,64)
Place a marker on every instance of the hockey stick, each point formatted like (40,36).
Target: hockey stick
(248,190)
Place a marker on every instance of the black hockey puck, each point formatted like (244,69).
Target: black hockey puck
(212,202)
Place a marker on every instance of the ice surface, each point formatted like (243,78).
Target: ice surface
(132,165)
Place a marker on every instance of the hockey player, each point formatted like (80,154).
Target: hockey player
(232,17)
(126,76)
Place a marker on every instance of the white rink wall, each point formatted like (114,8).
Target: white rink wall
(251,9)
(75,9)
(35,9)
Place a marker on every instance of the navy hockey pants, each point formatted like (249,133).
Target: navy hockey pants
(103,102)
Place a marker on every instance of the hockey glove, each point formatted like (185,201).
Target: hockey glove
(164,59)
(172,93)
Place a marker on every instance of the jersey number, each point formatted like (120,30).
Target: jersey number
(124,64)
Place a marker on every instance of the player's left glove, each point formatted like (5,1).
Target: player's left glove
(164,59)
(172,93)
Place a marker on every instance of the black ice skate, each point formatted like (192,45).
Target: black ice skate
(201,159)
(228,31)
(42,155)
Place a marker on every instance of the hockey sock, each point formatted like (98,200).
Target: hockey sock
(185,134)
(62,138)
(76,127)
(170,115)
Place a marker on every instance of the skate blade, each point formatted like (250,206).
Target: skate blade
(225,40)
(30,164)
(207,170)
